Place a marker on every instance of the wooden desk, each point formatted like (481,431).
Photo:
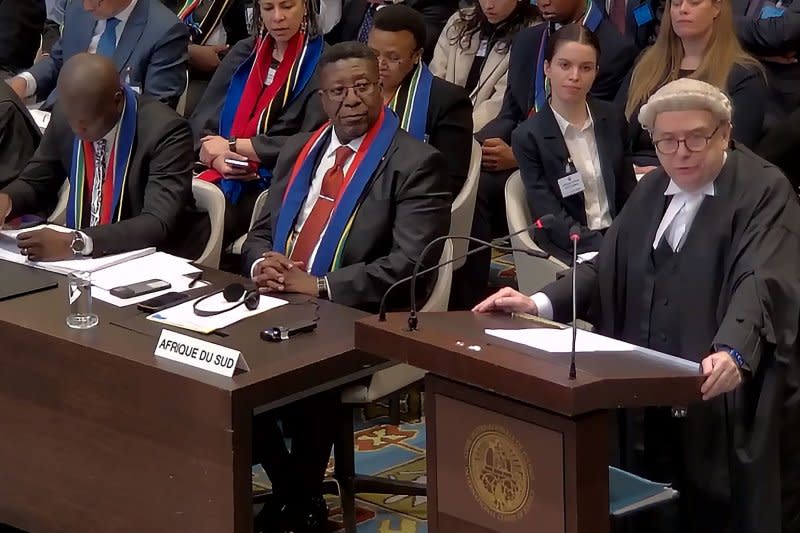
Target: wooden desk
(99,435)
(513,445)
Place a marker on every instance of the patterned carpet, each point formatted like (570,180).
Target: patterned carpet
(396,452)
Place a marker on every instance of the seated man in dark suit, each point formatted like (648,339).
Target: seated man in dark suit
(358,17)
(147,42)
(21,24)
(526,93)
(19,135)
(771,32)
(350,209)
(431,109)
(129,164)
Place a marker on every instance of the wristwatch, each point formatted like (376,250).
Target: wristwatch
(232,144)
(322,288)
(78,244)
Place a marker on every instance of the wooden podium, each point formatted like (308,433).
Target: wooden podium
(513,445)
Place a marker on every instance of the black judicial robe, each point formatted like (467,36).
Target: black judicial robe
(734,282)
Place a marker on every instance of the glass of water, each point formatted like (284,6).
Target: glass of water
(79,285)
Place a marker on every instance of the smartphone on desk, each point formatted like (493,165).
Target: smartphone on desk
(169,299)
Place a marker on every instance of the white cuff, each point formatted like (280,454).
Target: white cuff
(328,288)
(88,244)
(30,83)
(543,305)
(253,267)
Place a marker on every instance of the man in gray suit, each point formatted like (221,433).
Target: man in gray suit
(145,40)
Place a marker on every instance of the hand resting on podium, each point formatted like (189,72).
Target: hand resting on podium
(722,373)
(507,300)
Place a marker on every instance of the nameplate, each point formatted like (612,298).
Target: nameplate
(199,354)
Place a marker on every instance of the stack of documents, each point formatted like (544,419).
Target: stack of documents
(9,251)
(176,271)
(629,493)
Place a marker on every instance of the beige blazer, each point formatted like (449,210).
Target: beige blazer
(453,64)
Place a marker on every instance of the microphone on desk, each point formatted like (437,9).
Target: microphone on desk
(543,222)
(574,236)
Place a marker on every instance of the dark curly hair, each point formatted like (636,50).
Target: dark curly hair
(472,20)
(312,25)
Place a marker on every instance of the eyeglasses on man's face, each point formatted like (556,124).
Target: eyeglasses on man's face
(339,93)
(694,142)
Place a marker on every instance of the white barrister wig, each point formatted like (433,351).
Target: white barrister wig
(685,94)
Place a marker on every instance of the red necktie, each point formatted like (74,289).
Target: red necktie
(314,225)
(618,14)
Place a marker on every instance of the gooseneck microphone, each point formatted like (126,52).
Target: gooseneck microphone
(544,222)
(574,236)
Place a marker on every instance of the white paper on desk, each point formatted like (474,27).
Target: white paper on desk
(159,265)
(177,285)
(42,118)
(10,252)
(182,316)
(560,340)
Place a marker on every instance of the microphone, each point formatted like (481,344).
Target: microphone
(574,236)
(543,222)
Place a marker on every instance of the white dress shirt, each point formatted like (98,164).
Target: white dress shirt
(99,28)
(674,226)
(582,146)
(325,163)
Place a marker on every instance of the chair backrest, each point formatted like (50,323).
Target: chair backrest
(463,209)
(59,214)
(397,377)
(181,107)
(209,197)
(440,296)
(533,273)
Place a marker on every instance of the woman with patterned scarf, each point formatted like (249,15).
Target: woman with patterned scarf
(263,92)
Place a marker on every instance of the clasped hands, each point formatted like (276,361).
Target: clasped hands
(720,370)
(214,150)
(278,273)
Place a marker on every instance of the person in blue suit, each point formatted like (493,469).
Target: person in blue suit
(144,39)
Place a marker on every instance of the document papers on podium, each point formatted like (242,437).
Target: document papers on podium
(560,340)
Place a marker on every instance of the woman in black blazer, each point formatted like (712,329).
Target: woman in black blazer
(571,153)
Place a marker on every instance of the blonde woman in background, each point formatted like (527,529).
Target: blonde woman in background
(696,40)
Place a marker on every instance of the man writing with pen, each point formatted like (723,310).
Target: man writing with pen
(701,264)
(128,160)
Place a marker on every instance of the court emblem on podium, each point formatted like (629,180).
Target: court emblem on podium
(499,473)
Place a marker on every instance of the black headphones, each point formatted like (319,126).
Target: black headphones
(235,292)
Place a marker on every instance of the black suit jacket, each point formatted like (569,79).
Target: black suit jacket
(158,208)
(542,155)
(645,34)
(449,129)
(406,205)
(305,113)
(234,19)
(436,13)
(21,24)
(772,37)
(616,57)
(19,135)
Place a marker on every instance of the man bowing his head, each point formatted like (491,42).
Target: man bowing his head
(702,264)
